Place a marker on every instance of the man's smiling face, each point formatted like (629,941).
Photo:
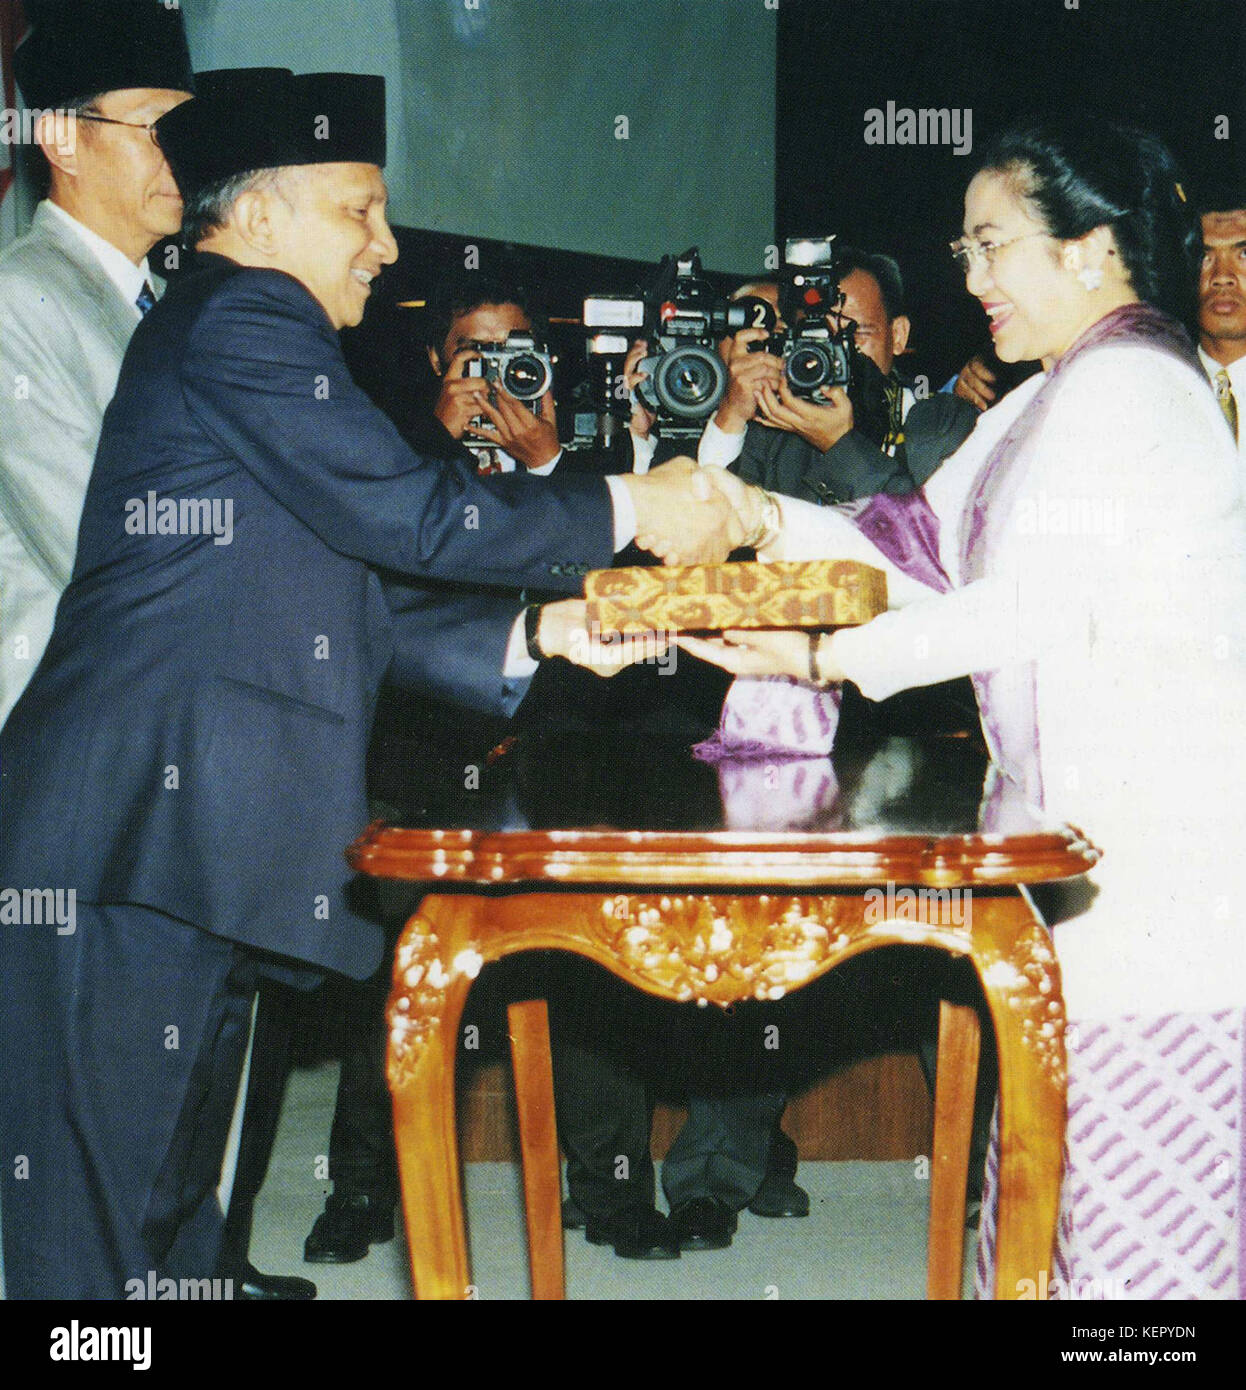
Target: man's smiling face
(333,234)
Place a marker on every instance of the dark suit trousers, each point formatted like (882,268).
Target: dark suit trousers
(271,1049)
(362,1161)
(614,1049)
(121,1046)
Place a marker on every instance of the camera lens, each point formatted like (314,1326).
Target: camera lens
(526,377)
(690,382)
(809,366)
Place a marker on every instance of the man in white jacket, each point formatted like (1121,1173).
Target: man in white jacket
(75,286)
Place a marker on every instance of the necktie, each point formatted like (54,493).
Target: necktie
(1227,400)
(146,299)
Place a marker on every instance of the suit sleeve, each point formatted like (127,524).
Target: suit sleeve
(452,645)
(851,468)
(49,427)
(265,378)
(933,430)
(856,467)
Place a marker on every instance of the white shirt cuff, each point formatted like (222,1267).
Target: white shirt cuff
(643,451)
(546,469)
(624,513)
(718,448)
(518,664)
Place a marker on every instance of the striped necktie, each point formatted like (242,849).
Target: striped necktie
(146,299)
(1227,400)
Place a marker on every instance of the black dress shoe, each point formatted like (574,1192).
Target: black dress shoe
(703,1223)
(779,1196)
(637,1233)
(572,1216)
(257,1286)
(346,1227)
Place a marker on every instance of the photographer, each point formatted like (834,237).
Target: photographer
(748,371)
(815,448)
(474,414)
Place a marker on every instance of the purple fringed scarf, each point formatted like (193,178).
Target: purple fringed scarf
(906,531)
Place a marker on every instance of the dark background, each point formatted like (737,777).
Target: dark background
(1170,65)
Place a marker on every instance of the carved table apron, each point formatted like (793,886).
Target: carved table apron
(719,917)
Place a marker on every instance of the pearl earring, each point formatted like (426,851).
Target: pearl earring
(1090,279)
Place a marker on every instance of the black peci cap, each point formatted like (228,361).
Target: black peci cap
(83,48)
(244,119)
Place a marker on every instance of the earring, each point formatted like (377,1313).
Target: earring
(1090,280)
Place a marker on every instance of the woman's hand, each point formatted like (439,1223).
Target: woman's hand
(768,653)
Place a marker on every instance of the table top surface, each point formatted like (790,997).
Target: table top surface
(559,808)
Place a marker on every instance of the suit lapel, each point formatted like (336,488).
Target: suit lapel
(114,313)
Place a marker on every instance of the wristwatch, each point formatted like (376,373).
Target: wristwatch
(531,629)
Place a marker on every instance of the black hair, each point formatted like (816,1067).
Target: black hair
(1094,175)
(1229,195)
(466,291)
(884,269)
(209,208)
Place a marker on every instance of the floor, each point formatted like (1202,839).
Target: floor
(864,1238)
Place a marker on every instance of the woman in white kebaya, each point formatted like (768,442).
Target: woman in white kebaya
(1083,557)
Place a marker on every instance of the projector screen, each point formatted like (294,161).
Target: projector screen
(622,127)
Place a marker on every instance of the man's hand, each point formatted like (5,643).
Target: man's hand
(681,516)
(531,440)
(747,374)
(820,423)
(563,631)
(747,501)
(643,418)
(461,398)
(976,383)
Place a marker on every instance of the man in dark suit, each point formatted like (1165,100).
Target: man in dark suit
(815,449)
(421,746)
(187,764)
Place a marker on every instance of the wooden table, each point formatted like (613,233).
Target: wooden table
(720,916)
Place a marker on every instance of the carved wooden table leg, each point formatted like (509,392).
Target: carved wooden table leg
(955,1088)
(1017,966)
(433,972)
(538,1140)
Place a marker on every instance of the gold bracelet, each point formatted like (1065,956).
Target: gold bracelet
(768,526)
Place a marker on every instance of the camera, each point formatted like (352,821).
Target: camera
(815,354)
(682,316)
(520,366)
(814,357)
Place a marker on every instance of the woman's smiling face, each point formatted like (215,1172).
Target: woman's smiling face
(1035,305)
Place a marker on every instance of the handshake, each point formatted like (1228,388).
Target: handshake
(687,515)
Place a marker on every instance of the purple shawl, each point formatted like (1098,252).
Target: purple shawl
(906,530)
